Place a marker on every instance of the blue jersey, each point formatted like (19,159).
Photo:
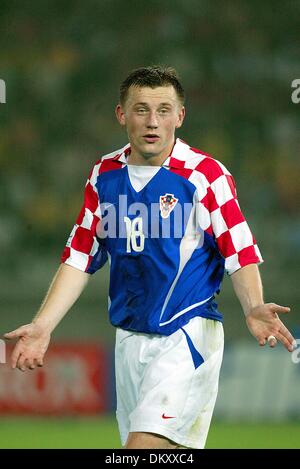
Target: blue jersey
(169,233)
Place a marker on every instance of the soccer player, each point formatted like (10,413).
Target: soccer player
(166,215)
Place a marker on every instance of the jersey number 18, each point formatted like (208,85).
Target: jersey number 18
(134,230)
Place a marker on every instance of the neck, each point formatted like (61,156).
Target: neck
(140,160)
(136,158)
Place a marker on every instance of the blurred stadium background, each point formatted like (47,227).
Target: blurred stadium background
(62,62)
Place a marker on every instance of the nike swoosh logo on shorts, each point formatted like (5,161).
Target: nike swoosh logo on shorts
(167,417)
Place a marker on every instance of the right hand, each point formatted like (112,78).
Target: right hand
(31,347)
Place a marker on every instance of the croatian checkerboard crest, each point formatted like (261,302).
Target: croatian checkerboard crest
(167,202)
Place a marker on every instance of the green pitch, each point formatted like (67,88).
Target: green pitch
(103,433)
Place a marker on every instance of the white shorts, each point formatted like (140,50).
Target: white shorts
(168,384)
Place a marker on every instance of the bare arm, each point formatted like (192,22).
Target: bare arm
(34,338)
(261,318)
(65,289)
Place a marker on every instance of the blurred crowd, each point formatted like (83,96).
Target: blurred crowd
(63,61)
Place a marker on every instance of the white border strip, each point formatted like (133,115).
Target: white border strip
(185,310)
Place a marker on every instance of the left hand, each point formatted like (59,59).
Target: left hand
(263,321)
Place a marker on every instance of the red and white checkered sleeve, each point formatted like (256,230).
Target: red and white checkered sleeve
(228,225)
(82,249)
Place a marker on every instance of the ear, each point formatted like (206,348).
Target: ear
(120,114)
(181,116)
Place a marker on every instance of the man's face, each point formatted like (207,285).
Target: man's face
(151,117)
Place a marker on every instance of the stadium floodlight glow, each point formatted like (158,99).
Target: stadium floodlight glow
(2,92)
